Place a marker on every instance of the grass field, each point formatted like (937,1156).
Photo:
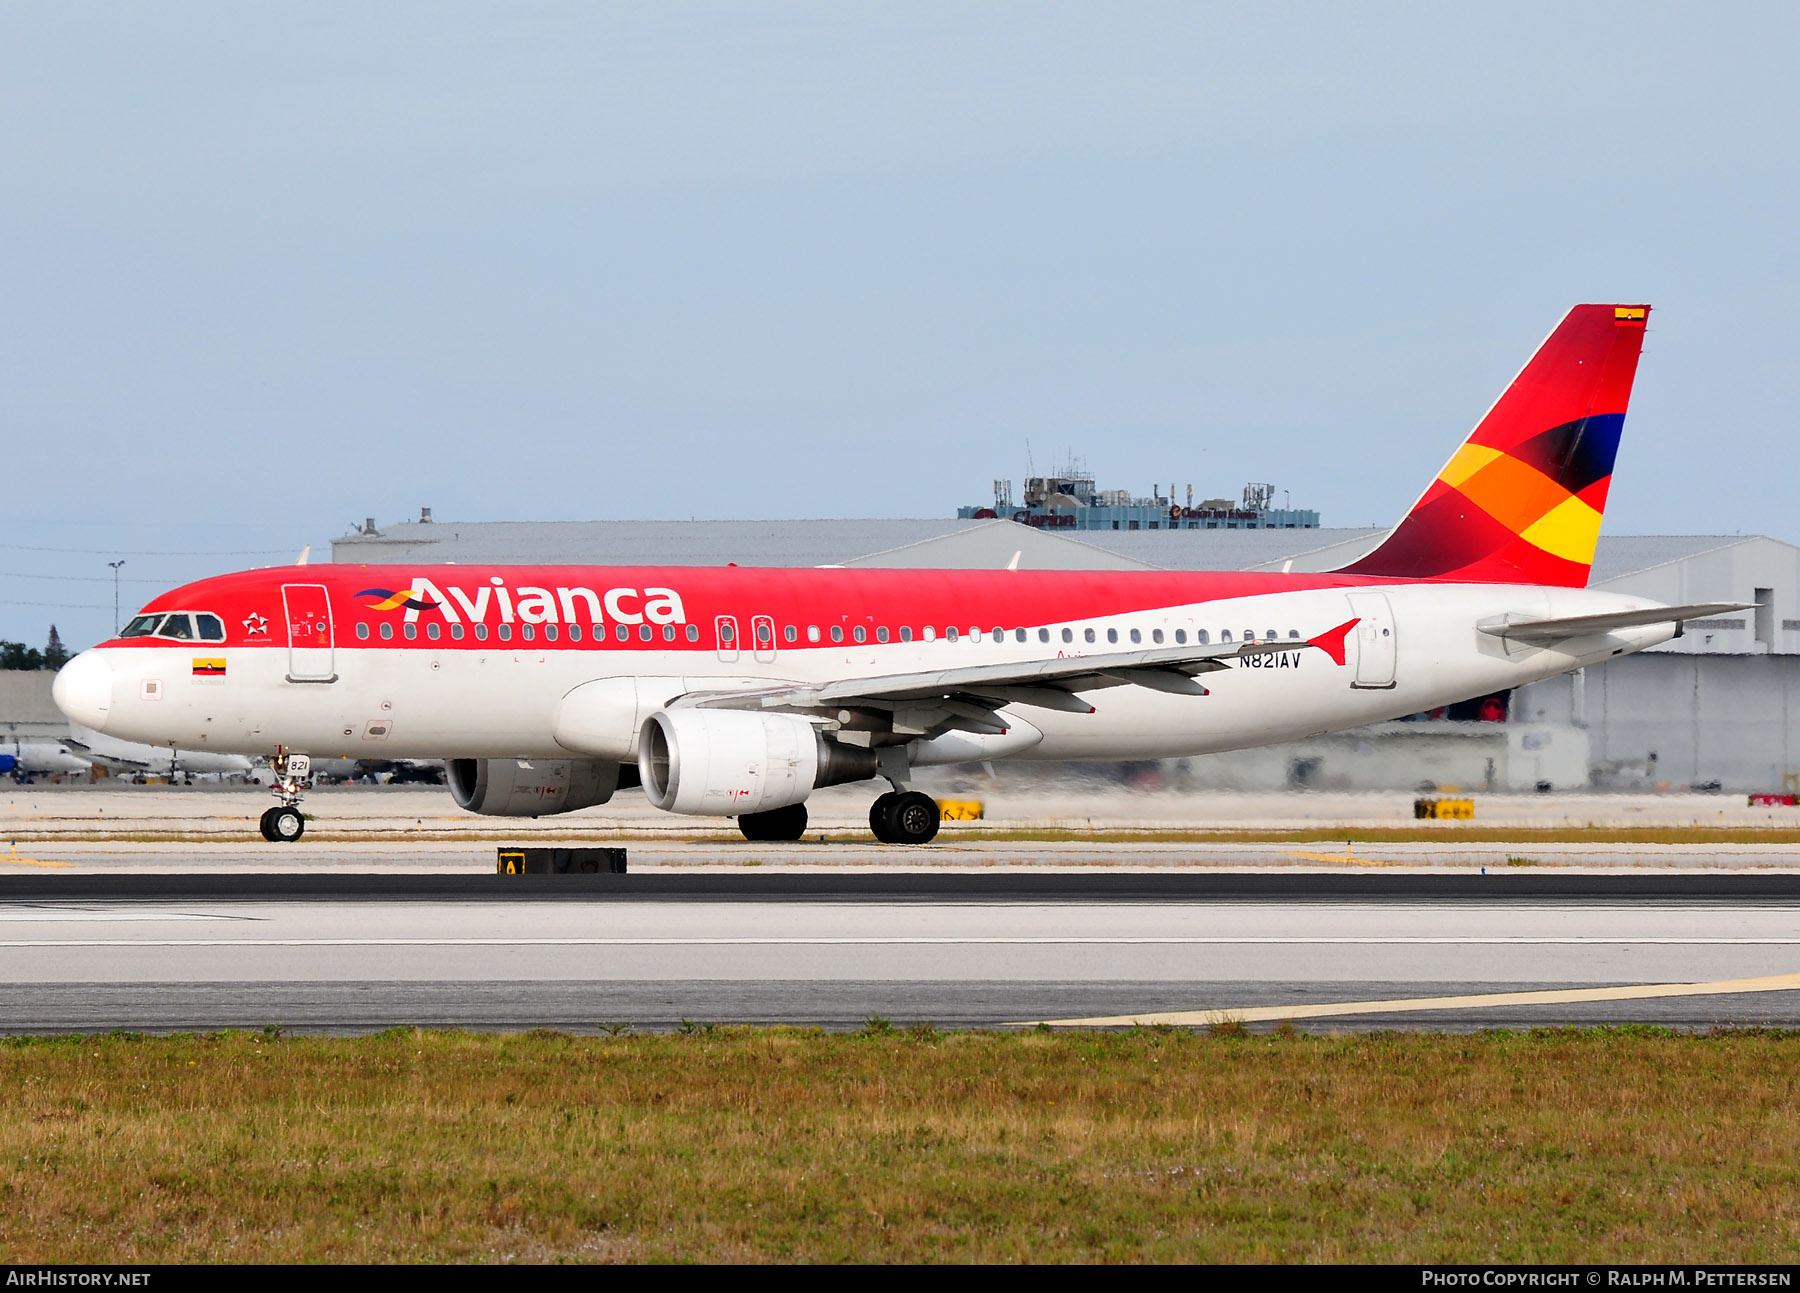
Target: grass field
(1628,1146)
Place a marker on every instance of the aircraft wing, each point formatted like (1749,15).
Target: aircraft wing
(968,697)
(1578,626)
(113,761)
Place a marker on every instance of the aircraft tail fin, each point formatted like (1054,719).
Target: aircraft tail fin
(1522,499)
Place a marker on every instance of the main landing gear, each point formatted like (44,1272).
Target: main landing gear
(283,823)
(778,824)
(904,817)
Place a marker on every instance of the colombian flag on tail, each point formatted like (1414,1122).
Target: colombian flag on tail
(1521,500)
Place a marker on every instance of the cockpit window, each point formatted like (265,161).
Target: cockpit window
(179,625)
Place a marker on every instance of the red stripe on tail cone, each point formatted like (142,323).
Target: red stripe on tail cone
(1331,641)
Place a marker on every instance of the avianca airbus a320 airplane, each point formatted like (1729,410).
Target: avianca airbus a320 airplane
(738,692)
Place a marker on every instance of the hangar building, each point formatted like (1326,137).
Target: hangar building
(1718,707)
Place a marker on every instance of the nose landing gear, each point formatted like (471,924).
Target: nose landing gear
(283,823)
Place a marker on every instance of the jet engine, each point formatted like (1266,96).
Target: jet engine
(530,787)
(727,762)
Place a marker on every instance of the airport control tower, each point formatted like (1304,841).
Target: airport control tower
(1069,501)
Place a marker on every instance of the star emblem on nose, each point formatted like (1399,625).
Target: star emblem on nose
(255,624)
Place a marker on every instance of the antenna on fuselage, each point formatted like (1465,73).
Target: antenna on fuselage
(305,555)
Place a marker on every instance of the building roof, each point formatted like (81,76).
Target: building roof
(638,543)
(945,544)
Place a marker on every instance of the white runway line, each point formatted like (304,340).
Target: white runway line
(1051,940)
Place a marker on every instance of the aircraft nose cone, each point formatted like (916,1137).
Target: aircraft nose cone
(83,689)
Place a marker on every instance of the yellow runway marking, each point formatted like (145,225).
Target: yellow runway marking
(1346,857)
(1403,1005)
(16,860)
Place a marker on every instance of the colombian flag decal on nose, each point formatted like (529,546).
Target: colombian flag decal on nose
(386,599)
(209,666)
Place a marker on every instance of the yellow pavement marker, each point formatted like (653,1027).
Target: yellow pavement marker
(1349,857)
(1404,1005)
(19,861)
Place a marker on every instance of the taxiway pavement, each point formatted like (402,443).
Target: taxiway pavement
(85,950)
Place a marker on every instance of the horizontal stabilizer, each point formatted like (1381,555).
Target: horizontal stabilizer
(1581,626)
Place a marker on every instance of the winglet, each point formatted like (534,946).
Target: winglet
(1331,641)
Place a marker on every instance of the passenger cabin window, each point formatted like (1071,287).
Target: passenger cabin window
(764,634)
(812,632)
(1225,636)
(481,633)
(837,632)
(881,634)
(1156,636)
(549,632)
(906,634)
(1112,635)
(503,632)
(574,632)
(433,632)
(860,633)
(644,631)
(456,632)
(412,631)
(693,632)
(950,634)
(1087,635)
(1200,636)
(790,634)
(623,632)
(1018,635)
(525,632)
(1068,635)
(362,631)
(668,633)
(387,631)
(1180,636)
(1136,636)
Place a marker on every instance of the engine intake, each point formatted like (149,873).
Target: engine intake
(530,787)
(727,762)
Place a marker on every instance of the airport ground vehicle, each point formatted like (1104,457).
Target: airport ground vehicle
(737,692)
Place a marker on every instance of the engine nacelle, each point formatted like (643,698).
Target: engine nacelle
(726,762)
(530,787)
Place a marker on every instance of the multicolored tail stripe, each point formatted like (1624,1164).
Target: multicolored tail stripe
(1521,501)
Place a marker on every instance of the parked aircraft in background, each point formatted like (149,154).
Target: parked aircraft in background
(737,692)
(134,758)
(26,760)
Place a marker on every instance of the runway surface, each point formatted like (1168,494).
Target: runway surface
(991,947)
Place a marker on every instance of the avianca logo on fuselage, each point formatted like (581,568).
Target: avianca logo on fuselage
(532,605)
(386,599)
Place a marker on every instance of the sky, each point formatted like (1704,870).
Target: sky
(266,270)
